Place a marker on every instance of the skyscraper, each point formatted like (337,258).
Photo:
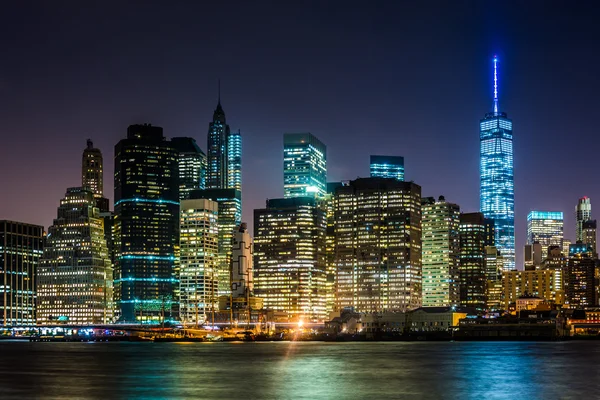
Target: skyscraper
(441,252)
(75,276)
(289,258)
(387,167)
(588,229)
(546,228)
(21,246)
(92,174)
(378,245)
(580,277)
(146,226)
(224,153)
(583,212)
(192,165)
(304,166)
(496,176)
(471,269)
(199,239)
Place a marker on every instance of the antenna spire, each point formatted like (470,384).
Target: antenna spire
(495,85)
(219,91)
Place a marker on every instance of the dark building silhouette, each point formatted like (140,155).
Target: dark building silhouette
(580,280)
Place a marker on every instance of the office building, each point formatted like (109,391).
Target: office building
(588,229)
(387,167)
(566,247)
(328,204)
(539,283)
(230,218)
(583,212)
(304,166)
(146,226)
(191,162)
(533,256)
(497,177)
(471,267)
(580,277)
(289,258)
(92,175)
(545,228)
(21,246)
(378,245)
(441,252)
(242,274)
(234,161)
(199,247)
(75,276)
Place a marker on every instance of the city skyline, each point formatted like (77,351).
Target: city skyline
(407,132)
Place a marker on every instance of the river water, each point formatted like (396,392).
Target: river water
(300,370)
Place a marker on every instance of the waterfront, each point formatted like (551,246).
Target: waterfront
(299,370)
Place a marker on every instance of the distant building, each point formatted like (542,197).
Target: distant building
(580,277)
(557,262)
(146,226)
(540,283)
(230,218)
(199,247)
(497,177)
(441,252)
(378,245)
(191,162)
(387,167)
(589,235)
(21,246)
(289,258)
(92,174)
(583,212)
(242,271)
(75,276)
(533,256)
(471,268)
(304,166)
(234,161)
(545,228)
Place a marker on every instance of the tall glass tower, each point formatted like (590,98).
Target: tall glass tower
(497,197)
(304,166)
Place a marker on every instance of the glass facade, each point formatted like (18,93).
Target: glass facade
(440,243)
(583,212)
(497,199)
(546,228)
(234,161)
(377,227)
(75,275)
(199,246)
(472,273)
(192,165)
(21,246)
(289,258)
(224,158)
(304,166)
(387,167)
(146,226)
(580,277)
(92,175)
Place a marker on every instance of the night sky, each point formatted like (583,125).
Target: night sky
(385,77)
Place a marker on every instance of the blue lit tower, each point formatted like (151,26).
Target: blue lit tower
(497,197)
(387,167)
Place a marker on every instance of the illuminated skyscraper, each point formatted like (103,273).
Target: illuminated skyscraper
(583,212)
(304,166)
(387,167)
(497,199)
(546,228)
(588,229)
(580,277)
(92,174)
(75,276)
(199,239)
(192,165)
(21,246)
(378,245)
(146,226)
(230,218)
(441,252)
(234,161)
(289,258)
(471,269)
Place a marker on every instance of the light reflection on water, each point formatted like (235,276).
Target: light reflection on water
(300,370)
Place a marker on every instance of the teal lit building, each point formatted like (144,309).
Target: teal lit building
(497,197)
(387,167)
(304,166)
(192,165)
(546,228)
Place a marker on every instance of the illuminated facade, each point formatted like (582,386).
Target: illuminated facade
(497,200)
(199,247)
(92,174)
(494,263)
(583,212)
(546,228)
(230,218)
(242,262)
(533,256)
(441,253)
(580,277)
(588,230)
(21,246)
(192,165)
(289,258)
(146,226)
(234,161)
(387,167)
(328,205)
(540,283)
(304,166)
(378,245)
(75,276)
(471,266)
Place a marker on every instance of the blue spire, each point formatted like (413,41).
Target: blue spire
(495,85)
